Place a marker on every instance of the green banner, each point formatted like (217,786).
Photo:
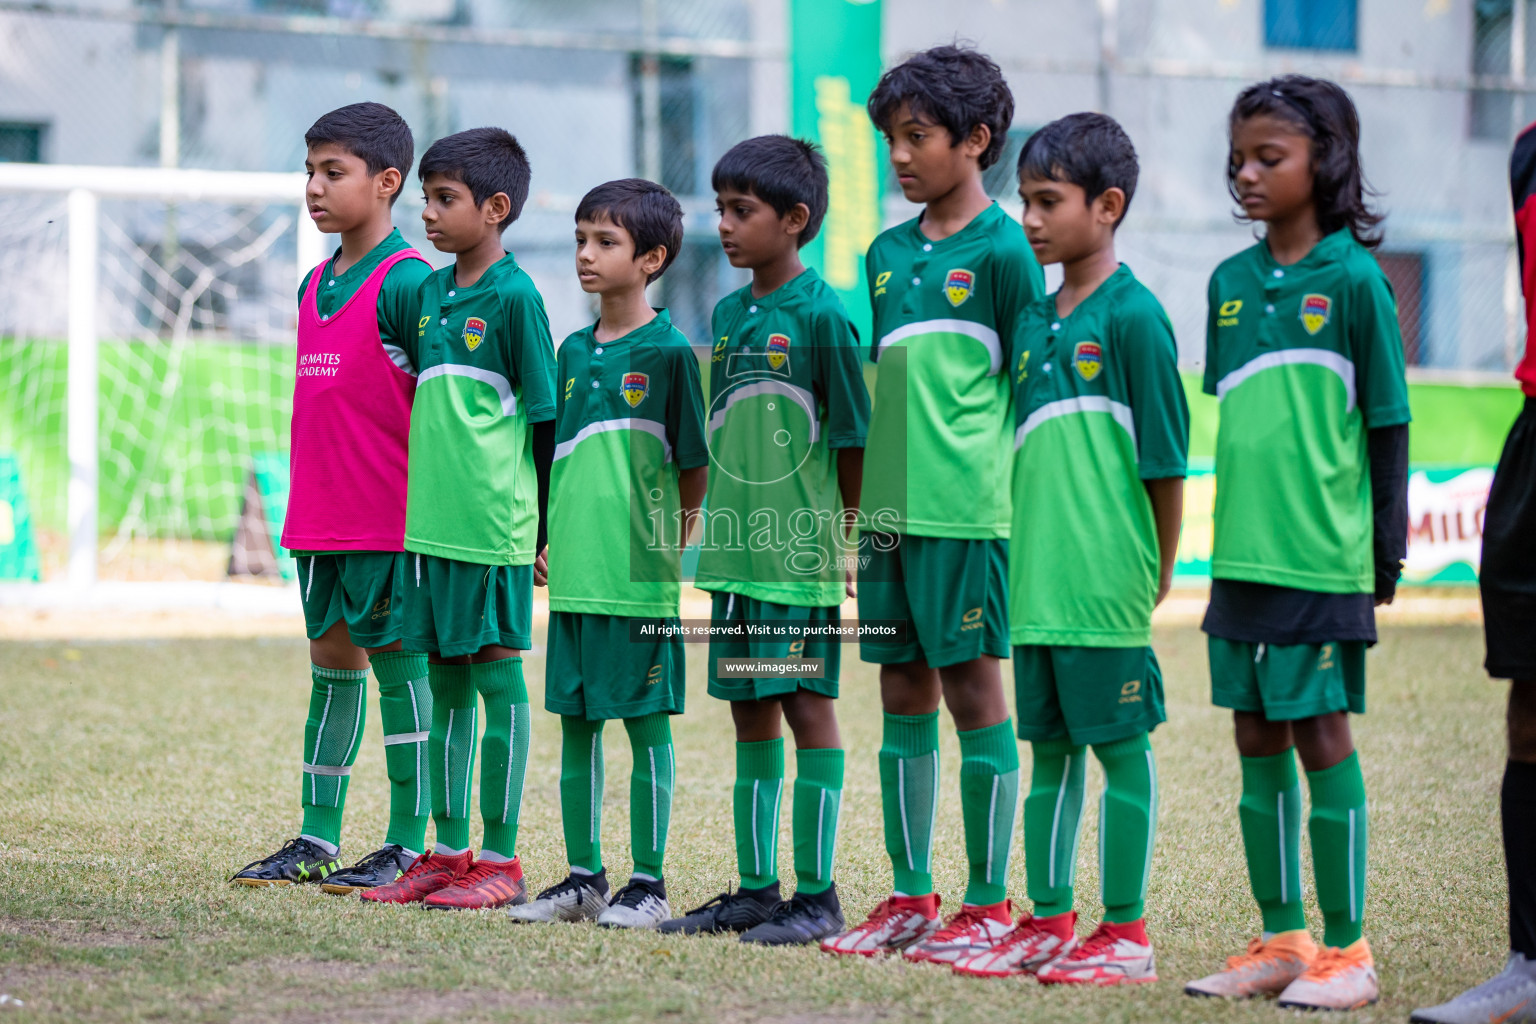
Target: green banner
(18,550)
(834,63)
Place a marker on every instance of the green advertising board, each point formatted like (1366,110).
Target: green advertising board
(834,64)
(18,549)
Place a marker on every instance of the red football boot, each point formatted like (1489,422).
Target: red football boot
(484,886)
(429,873)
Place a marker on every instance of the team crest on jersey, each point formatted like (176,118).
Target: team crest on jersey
(474,333)
(958,285)
(778,350)
(636,386)
(1315,310)
(1088,357)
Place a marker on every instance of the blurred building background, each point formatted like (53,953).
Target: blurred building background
(598,89)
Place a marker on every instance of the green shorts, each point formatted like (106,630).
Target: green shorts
(454,608)
(597,669)
(363,587)
(735,608)
(1087,694)
(1284,682)
(951,593)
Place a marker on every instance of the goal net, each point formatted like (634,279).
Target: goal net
(146,359)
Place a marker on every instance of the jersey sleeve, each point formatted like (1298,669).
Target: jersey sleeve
(1376,343)
(533,353)
(840,381)
(1017,281)
(685,410)
(304,285)
(1158,406)
(400,307)
(1208,384)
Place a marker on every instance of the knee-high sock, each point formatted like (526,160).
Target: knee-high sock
(1053,818)
(818,798)
(755,800)
(909,797)
(1270,813)
(332,733)
(581,792)
(503,751)
(651,782)
(1339,834)
(451,752)
(1517,807)
(1127,825)
(405,711)
(989,799)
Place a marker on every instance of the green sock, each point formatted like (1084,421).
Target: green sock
(989,799)
(1270,812)
(818,798)
(909,797)
(755,799)
(650,790)
(581,792)
(1053,819)
(1338,833)
(405,711)
(332,733)
(1127,825)
(503,751)
(451,751)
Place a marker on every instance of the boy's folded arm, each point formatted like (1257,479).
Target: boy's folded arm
(1387,450)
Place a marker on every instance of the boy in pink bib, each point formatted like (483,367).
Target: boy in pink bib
(356,378)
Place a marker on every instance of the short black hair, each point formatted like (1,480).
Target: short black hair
(1090,151)
(1323,112)
(956,86)
(487,160)
(373,133)
(781,171)
(650,214)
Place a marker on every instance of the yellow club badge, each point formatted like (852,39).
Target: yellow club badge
(1315,310)
(635,387)
(474,332)
(778,350)
(958,286)
(1088,357)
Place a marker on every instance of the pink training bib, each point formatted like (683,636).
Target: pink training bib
(351,424)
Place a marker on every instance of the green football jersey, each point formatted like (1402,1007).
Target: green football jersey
(786,385)
(1099,408)
(630,415)
(1304,360)
(938,453)
(486,373)
(399,303)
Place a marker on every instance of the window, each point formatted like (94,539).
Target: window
(1406,272)
(21,143)
(1311,24)
(1493,113)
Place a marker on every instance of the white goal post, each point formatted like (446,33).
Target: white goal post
(84,188)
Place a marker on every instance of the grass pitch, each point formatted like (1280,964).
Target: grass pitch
(135,777)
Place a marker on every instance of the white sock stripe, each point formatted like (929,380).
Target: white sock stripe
(933,810)
(901,802)
(1061,797)
(594,794)
(337,771)
(395,739)
(469,762)
(325,713)
(1146,870)
(1280,816)
(357,732)
(421,773)
(837,824)
(821,808)
(506,794)
(992,824)
(778,804)
(447,763)
(757,857)
(410,685)
(650,753)
(1353,911)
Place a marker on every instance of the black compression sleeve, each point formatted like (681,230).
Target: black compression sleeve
(543,457)
(1388,450)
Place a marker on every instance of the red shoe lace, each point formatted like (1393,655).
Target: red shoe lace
(961,923)
(420,866)
(475,875)
(1100,940)
(886,909)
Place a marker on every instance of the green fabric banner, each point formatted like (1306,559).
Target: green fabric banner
(834,63)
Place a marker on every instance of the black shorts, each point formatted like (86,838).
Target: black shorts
(1508,573)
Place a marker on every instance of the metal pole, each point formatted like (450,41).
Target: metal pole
(1109,46)
(170,94)
(650,92)
(83,380)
